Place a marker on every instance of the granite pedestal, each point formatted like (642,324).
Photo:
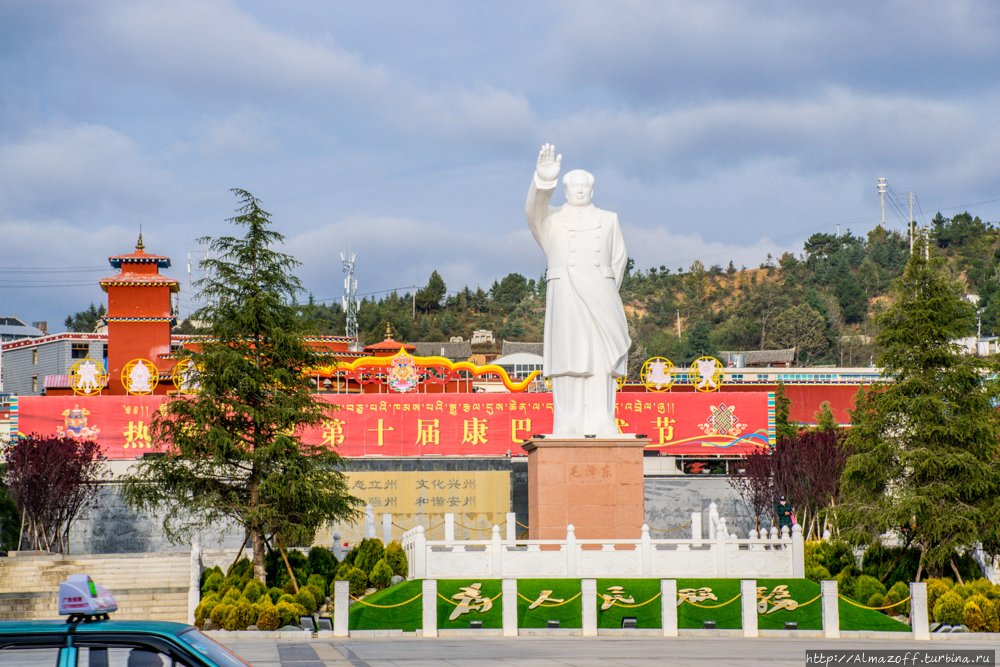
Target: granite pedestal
(594,484)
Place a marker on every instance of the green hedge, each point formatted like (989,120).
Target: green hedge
(809,617)
(407,617)
(490,589)
(639,590)
(568,615)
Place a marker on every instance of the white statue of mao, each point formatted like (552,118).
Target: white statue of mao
(586,334)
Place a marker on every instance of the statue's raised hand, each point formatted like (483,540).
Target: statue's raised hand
(549,163)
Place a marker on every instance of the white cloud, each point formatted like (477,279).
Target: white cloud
(79,168)
(212,48)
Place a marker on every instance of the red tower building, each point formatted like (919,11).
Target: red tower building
(139,317)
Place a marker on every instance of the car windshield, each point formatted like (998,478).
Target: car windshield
(211,649)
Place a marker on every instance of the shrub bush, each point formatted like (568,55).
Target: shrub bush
(204,609)
(381,575)
(865,586)
(817,573)
(370,552)
(963,590)
(288,613)
(838,555)
(319,582)
(269,619)
(935,589)
(220,613)
(287,597)
(275,594)
(289,587)
(876,600)
(395,558)
(949,609)
(240,573)
(845,583)
(988,608)
(983,587)
(317,595)
(973,617)
(241,617)
(208,573)
(253,590)
(899,591)
(307,600)
(232,596)
(322,562)
(344,570)
(359,581)
(213,582)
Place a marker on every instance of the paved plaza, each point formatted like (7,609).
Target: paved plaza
(549,652)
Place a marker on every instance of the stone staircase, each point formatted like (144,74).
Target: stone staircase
(146,586)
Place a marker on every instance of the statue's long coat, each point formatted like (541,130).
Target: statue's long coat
(586,264)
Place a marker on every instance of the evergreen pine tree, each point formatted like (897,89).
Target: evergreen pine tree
(233,452)
(925,440)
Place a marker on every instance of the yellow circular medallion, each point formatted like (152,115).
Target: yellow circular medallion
(657,374)
(706,374)
(87,377)
(139,377)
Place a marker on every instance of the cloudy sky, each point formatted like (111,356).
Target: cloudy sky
(718,130)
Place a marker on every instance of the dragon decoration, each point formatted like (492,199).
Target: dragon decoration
(404,372)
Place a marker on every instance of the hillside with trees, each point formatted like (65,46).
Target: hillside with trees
(823,301)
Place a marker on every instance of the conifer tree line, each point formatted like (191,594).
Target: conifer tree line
(824,301)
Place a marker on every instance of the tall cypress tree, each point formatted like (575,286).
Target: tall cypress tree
(234,450)
(925,440)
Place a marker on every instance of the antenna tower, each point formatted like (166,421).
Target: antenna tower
(881,191)
(350,298)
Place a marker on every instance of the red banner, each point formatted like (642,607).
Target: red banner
(439,424)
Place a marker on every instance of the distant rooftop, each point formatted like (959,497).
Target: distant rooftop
(513,347)
(12,328)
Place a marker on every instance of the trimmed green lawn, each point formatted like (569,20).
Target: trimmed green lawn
(648,615)
(449,587)
(726,617)
(408,617)
(569,615)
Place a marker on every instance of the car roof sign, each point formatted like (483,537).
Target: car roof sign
(79,596)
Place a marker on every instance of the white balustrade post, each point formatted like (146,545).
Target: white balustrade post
(785,535)
(419,554)
(721,555)
(511,526)
(748,607)
(774,533)
(429,597)
(798,553)
(449,527)
(497,547)
(386,528)
(713,517)
(646,545)
(571,551)
(696,528)
(831,609)
(338,549)
(668,606)
(194,588)
(588,600)
(919,622)
(341,608)
(509,589)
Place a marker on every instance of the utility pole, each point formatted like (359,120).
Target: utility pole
(881,191)
(678,323)
(911,196)
(414,313)
(350,298)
